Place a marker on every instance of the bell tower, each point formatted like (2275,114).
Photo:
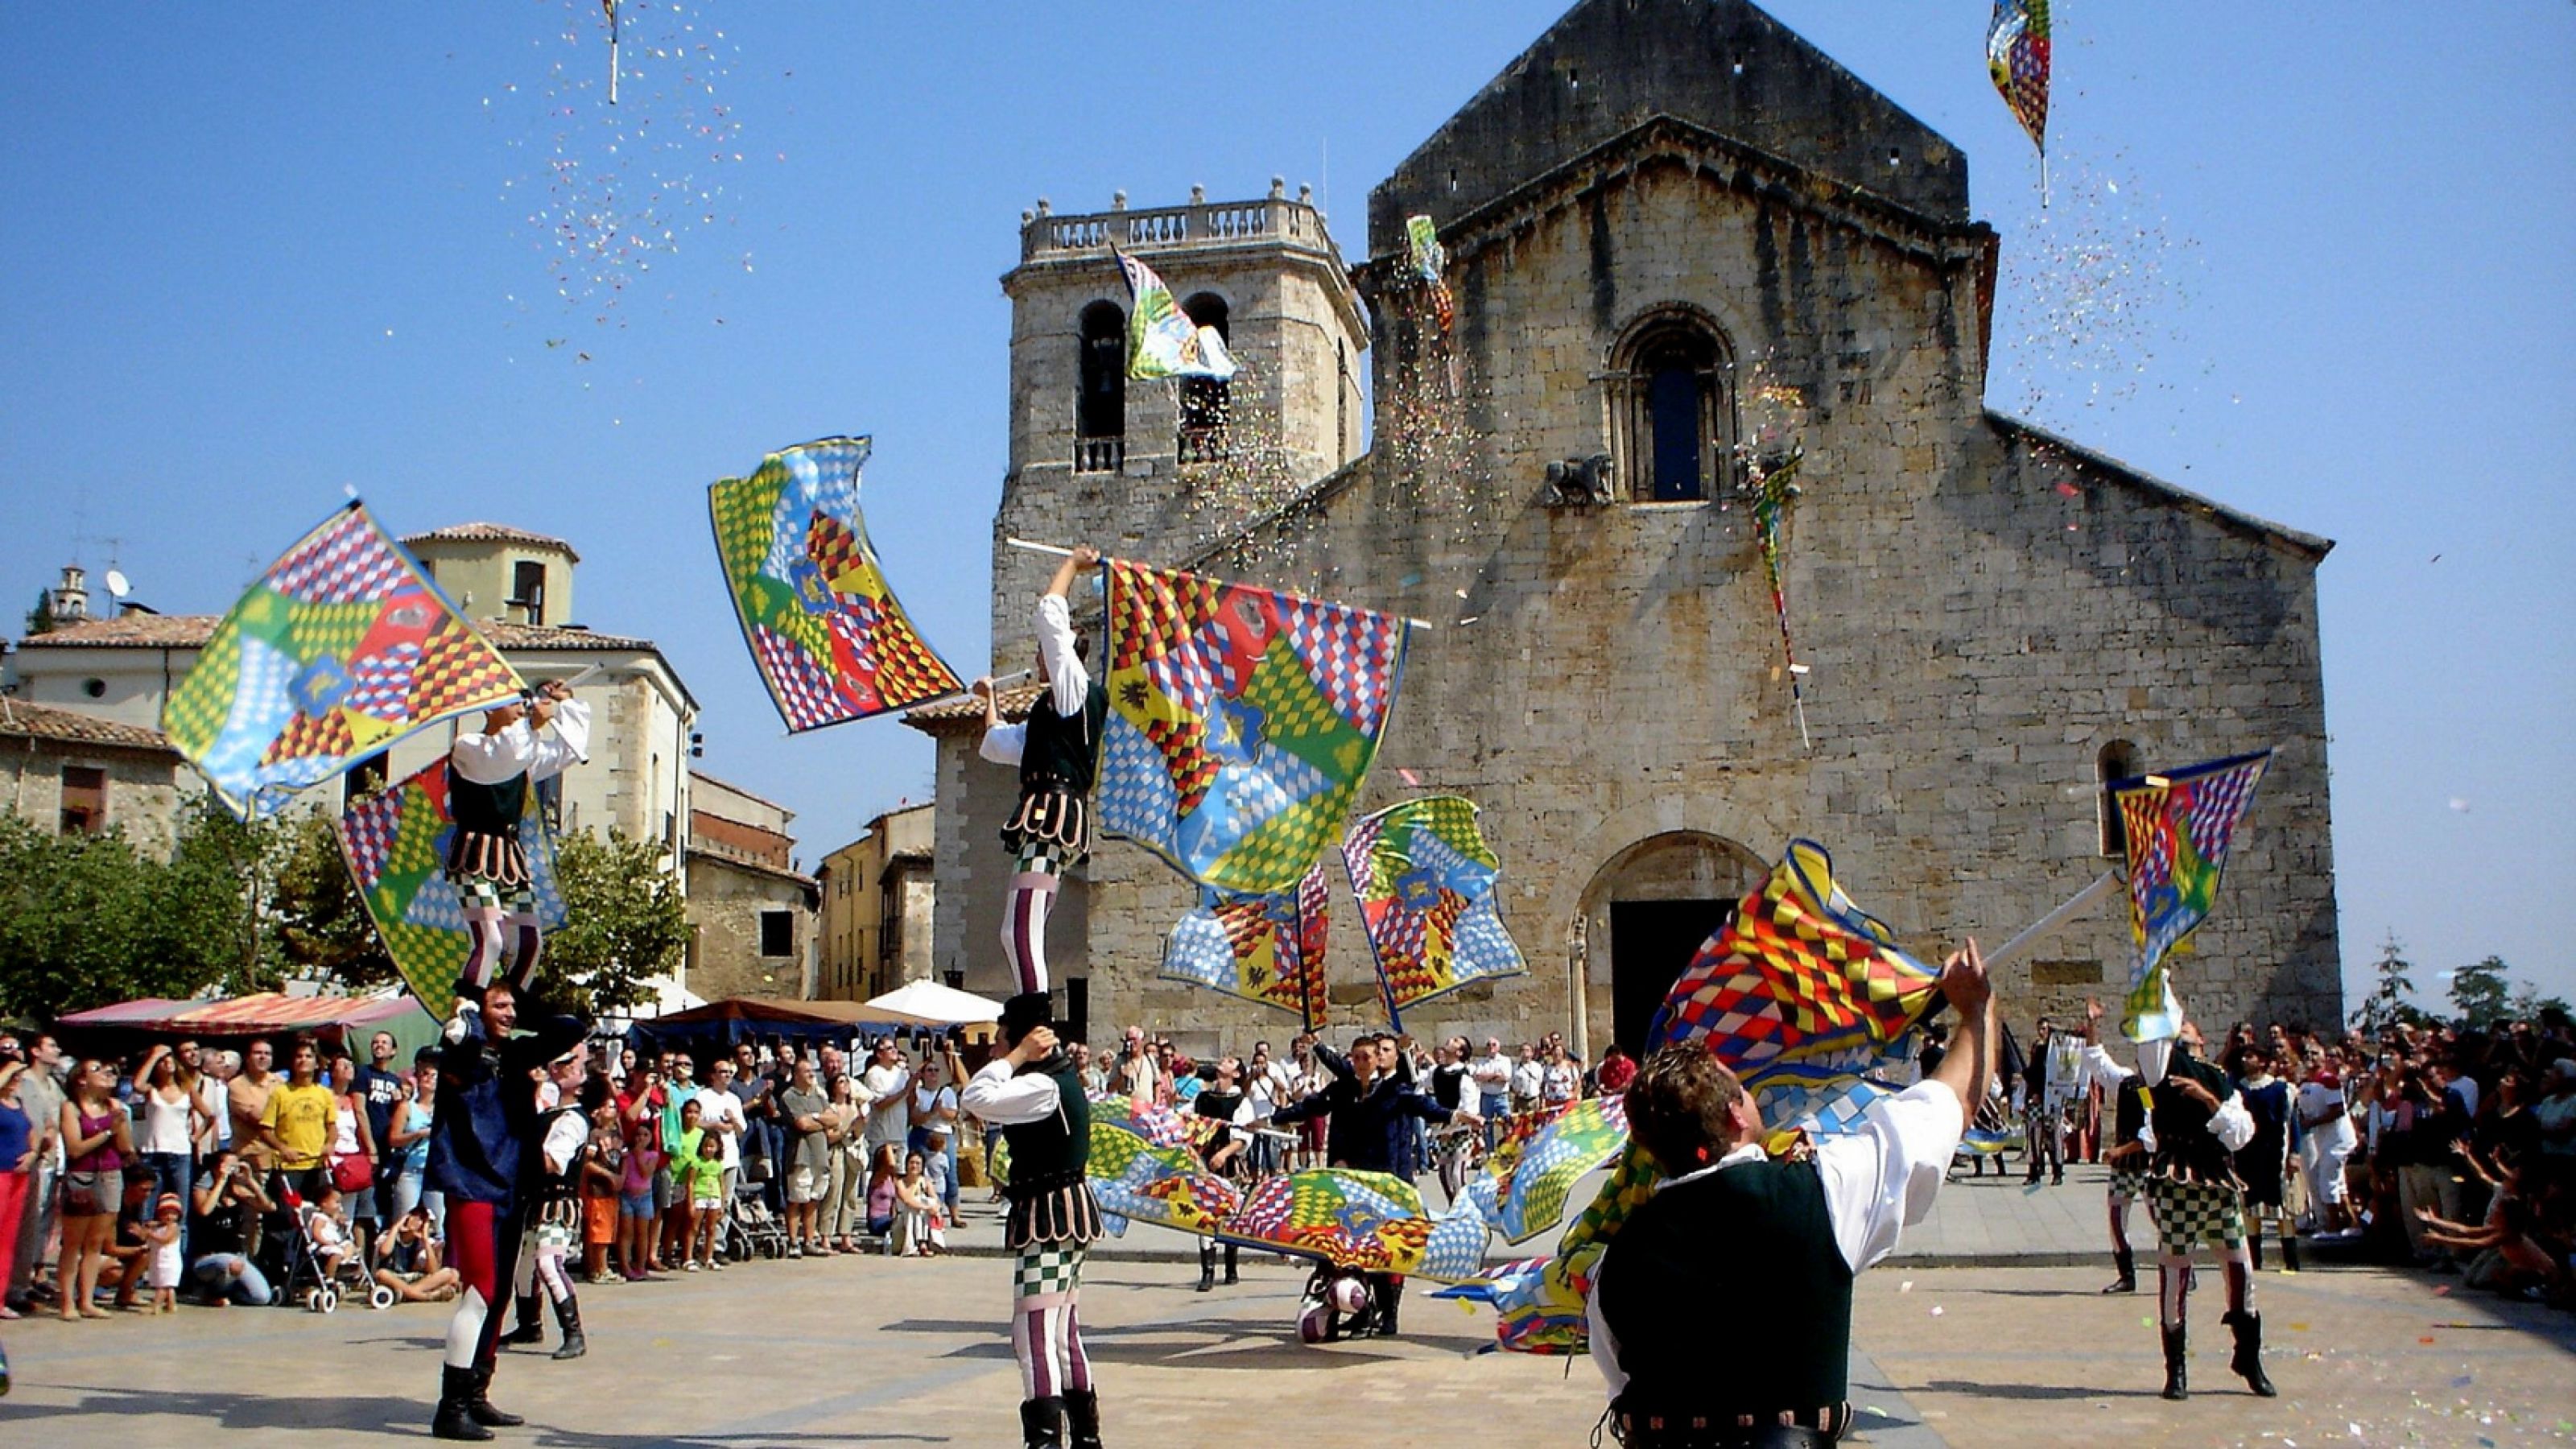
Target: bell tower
(1097,457)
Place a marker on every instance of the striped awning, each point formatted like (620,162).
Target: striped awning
(268,1011)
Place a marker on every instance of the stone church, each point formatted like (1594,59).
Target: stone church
(1677,235)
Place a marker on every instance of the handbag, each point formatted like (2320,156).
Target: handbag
(353,1172)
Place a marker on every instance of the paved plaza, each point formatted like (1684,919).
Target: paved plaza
(862,1351)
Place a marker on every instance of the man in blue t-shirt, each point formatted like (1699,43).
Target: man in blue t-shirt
(383,1089)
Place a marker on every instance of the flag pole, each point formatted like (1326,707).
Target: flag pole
(2049,925)
(1062,552)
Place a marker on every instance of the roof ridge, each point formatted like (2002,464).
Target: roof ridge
(2312,544)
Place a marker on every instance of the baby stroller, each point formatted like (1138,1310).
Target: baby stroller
(751,1229)
(302,1279)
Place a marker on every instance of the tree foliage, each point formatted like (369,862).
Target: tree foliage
(627,921)
(2388,1001)
(2480,994)
(40,619)
(323,924)
(86,920)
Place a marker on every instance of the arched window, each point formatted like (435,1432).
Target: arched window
(1673,408)
(2118,761)
(1100,412)
(1206,404)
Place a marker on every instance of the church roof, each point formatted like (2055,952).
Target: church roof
(2170,494)
(1609,66)
(141,630)
(491,533)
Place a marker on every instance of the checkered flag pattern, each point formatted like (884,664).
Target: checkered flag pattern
(2017,57)
(2179,828)
(826,631)
(1796,973)
(1242,722)
(342,648)
(1265,948)
(1425,878)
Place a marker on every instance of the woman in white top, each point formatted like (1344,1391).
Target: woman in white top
(171,1116)
(934,1108)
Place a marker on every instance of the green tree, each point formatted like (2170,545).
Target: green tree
(2387,1002)
(2479,992)
(2528,1004)
(627,921)
(40,619)
(323,926)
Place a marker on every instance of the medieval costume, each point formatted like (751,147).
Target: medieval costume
(1819,1222)
(1222,1102)
(1058,754)
(2263,1164)
(2131,1142)
(553,1229)
(1046,1119)
(485,1119)
(2195,1195)
(489,775)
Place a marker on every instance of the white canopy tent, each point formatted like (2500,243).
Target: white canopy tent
(928,1003)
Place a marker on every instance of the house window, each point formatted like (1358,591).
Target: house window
(777,933)
(528,590)
(1673,408)
(84,800)
(1100,411)
(889,922)
(1206,404)
(2118,761)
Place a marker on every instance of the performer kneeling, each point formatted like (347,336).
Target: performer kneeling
(2194,1193)
(485,1118)
(488,778)
(1784,1238)
(1034,1094)
(1058,752)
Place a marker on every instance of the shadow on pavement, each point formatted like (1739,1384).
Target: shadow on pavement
(2033,1391)
(1237,1344)
(401,1418)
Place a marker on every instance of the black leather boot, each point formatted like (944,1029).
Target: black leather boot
(1042,1423)
(479,1404)
(2127,1262)
(1390,1296)
(1207,1269)
(2254,1250)
(531,1327)
(2289,1252)
(1082,1418)
(568,1317)
(1230,1278)
(2248,1362)
(2177,1381)
(454,1421)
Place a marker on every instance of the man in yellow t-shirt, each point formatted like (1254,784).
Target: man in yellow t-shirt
(296,1124)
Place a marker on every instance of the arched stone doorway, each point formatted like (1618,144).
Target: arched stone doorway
(1644,914)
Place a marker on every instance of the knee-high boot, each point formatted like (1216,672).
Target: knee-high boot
(568,1317)
(2127,1262)
(2248,1361)
(2290,1251)
(2177,1378)
(479,1403)
(1082,1418)
(531,1327)
(2254,1249)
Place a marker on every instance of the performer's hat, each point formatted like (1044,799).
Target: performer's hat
(1026,1011)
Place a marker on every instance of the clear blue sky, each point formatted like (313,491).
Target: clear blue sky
(257,251)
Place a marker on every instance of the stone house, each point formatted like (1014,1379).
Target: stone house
(1681,240)
(878,895)
(752,914)
(81,775)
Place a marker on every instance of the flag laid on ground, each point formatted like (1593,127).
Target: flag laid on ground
(1265,948)
(1241,722)
(2178,827)
(1162,341)
(1431,265)
(1425,882)
(396,845)
(832,643)
(2017,45)
(1798,972)
(343,647)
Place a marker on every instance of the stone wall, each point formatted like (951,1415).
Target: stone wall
(726,899)
(143,794)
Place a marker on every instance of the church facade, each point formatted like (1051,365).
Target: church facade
(1681,243)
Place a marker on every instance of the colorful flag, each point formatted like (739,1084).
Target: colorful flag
(1431,265)
(1527,1177)
(396,845)
(1241,722)
(1162,341)
(1265,948)
(2017,57)
(1425,881)
(2178,827)
(1797,973)
(832,643)
(343,647)
(1351,1219)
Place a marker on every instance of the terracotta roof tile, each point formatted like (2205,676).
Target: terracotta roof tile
(47,722)
(966,709)
(489,533)
(191,631)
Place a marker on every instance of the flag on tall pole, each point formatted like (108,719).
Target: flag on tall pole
(1425,881)
(1162,341)
(1266,948)
(2017,57)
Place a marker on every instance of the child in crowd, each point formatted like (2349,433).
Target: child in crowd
(322,1227)
(699,1167)
(162,1237)
(638,1219)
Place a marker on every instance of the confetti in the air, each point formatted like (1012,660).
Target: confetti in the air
(2092,305)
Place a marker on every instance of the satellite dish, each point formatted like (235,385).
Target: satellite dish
(116,584)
